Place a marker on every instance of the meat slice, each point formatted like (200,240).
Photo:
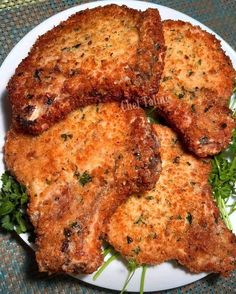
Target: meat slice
(177,219)
(76,174)
(195,89)
(98,55)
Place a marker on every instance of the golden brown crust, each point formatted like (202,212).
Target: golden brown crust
(97,55)
(195,89)
(178,219)
(115,153)
(205,123)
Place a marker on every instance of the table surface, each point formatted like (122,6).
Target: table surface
(18,270)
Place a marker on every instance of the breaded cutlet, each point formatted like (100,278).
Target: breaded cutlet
(97,55)
(76,174)
(178,219)
(195,89)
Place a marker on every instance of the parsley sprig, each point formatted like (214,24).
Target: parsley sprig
(223,175)
(223,179)
(130,264)
(13,199)
(114,256)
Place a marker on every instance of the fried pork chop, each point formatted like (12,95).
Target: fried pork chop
(178,219)
(98,55)
(76,174)
(196,85)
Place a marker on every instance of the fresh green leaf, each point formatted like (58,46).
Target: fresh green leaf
(6,207)
(223,179)
(24,198)
(13,200)
(20,221)
(5,219)
(6,223)
(8,226)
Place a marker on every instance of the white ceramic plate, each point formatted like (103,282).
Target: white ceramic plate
(167,275)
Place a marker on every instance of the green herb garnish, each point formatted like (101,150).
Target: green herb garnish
(223,178)
(189,218)
(114,256)
(153,116)
(164,79)
(204,140)
(180,95)
(107,250)
(136,250)
(13,199)
(76,46)
(66,137)
(139,220)
(149,197)
(144,269)
(85,178)
(37,73)
(129,239)
(193,108)
(132,266)
(190,72)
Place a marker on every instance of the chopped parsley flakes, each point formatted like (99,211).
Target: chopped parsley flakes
(85,178)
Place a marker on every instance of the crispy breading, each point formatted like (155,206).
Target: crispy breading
(98,55)
(76,174)
(196,85)
(178,219)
